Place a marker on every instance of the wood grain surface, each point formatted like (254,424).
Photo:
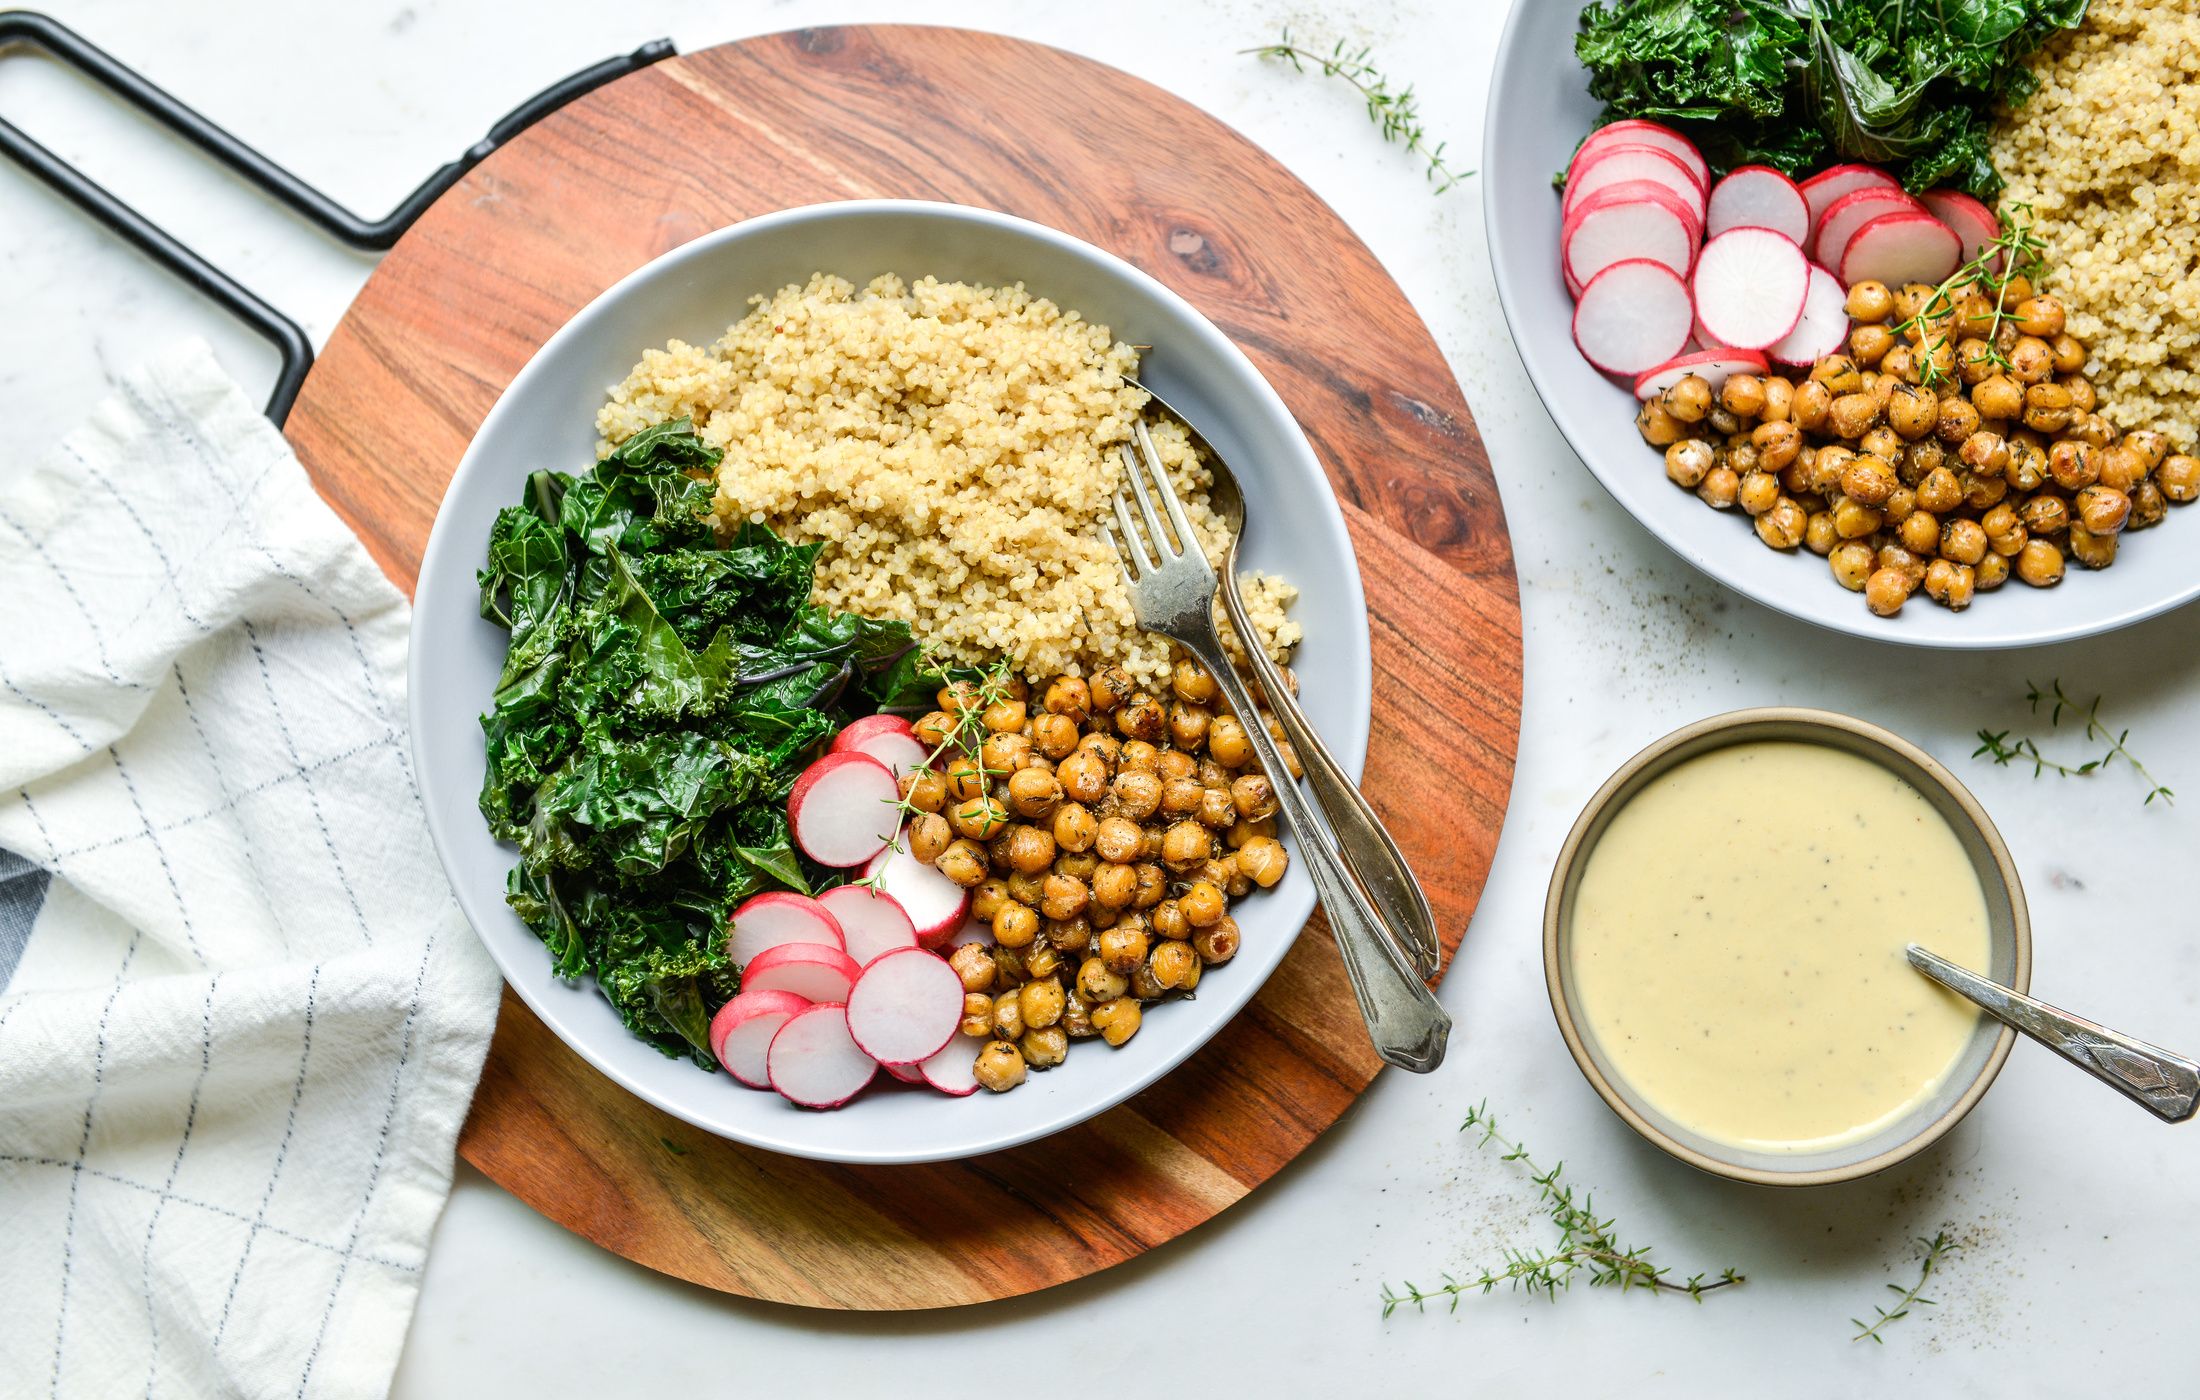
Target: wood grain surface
(701,141)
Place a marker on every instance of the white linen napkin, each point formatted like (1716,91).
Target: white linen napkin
(238,1040)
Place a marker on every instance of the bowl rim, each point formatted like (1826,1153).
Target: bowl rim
(443,561)
(1557,975)
(1510,73)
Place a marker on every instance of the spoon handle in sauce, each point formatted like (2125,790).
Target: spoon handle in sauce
(2165,1084)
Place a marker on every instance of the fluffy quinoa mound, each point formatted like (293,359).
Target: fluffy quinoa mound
(2107,154)
(954,449)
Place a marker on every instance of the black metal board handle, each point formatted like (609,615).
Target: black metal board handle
(27,27)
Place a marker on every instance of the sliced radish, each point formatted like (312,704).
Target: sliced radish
(871,924)
(907,1074)
(1849,213)
(1632,318)
(1633,219)
(1828,185)
(1636,132)
(742,1032)
(1973,222)
(954,1070)
(1750,285)
(1900,248)
(1824,324)
(809,970)
(768,920)
(843,809)
(905,1007)
(814,1062)
(1757,196)
(935,904)
(1712,366)
(1619,163)
(887,738)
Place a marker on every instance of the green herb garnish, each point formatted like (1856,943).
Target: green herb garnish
(1396,114)
(1586,1243)
(1998,746)
(1936,1249)
(660,693)
(1802,84)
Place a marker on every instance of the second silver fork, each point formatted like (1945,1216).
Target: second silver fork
(1172,591)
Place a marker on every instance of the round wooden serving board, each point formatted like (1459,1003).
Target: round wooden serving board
(704,140)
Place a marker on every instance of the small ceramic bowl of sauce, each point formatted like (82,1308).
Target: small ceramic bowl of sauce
(1724,946)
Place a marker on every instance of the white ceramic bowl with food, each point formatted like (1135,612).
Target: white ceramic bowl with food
(1539,109)
(547,419)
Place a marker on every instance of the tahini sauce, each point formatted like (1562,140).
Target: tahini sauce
(1738,945)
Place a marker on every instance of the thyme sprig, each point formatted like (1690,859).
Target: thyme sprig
(1998,746)
(1936,1249)
(2020,253)
(1396,113)
(981,690)
(1587,1244)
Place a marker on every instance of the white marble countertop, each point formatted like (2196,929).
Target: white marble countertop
(2067,1198)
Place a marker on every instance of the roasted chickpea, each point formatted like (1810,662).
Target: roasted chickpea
(2030,360)
(2102,510)
(1743,395)
(1253,796)
(1812,401)
(1868,479)
(979,818)
(934,729)
(1217,811)
(1264,861)
(1759,491)
(1962,541)
(1153,885)
(1075,828)
(1219,943)
(2072,465)
(1068,697)
(2150,447)
(1083,776)
(1188,726)
(2047,408)
(2179,477)
(1143,719)
(2040,315)
(1886,591)
(1819,534)
(1096,984)
(2093,551)
(1912,412)
(1958,420)
(962,862)
(1689,399)
(1910,566)
(1852,564)
(1870,301)
(1984,452)
(1974,362)
(1015,925)
(1137,795)
(1919,532)
(1227,744)
(1110,687)
(924,789)
(1004,753)
(986,900)
(1123,948)
(1686,461)
(1039,1004)
(977,1017)
(1949,584)
(2040,564)
(1839,374)
(1779,400)
(1852,520)
(1852,415)
(1116,1020)
(1034,792)
(929,835)
(2121,469)
(1910,298)
(1782,526)
(1054,735)
(2044,515)
(1720,488)
(1025,849)
(1992,573)
(1901,363)
(1167,920)
(1114,886)
(1186,845)
(1000,1066)
(1998,397)
(2148,506)
(1777,444)
(1175,966)
(1119,840)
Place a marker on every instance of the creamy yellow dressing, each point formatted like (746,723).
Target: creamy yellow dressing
(1738,937)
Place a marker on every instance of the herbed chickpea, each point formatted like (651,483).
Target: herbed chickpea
(1974,363)
(1852,520)
(1002,754)
(1743,395)
(924,789)
(1025,849)
(1851,562)
(2031,361)
(2179,477)
(2047,408)
(2092,550)
(1719,490)
(1958,420)
(1909,565)
(1998,396)
(1153,885)
(1912,412)
(1000,1067)
(1008,1013)
(929,836)
(1008,972)
(1659,428)
(1072,935)
(1040,1004)
(1900,363)
(1264,861)
(1686,461)
(974,965)
(1901,502)
(1949,584)
(1004,716)
(1253,796)
(1034,792)
(1777,444)
(1886,591)
(979,818)
(1227,744)
(2040,315)
(1868,479)
(1782,526)
(986,900)
(1044,1048)
(1142,718)
(2101,510)
(1202,903)
(1119,841)
(1138,756)
(1940,491)
(1109,687)
(1779,400)
(1219,943)
(1123,948)
(1984,451)
(1689,399)
(1175,966)
(2121,468)
(1962,541)
(1015,925)
(957,697)
(1054,736)
(1186,845)
(934,729)
(2027,467)
(1910,298)
(1116,1020)
(1869,344)
(1083,776)
(1983,490)
(2148,506)
(1075,828)
(1870,300)
(2150,446)
(1167,920)
(1812,401)
(1839,374)
(977,1017)
(1114,886)
(2044,515)
(1188,726)
(1217,811)
(2072,465)
(1819,537)
(1992,573)
(1180,797)
(1025,887)
(962,862)
(2069,353)
(1137,795)
(1919,532)
(1758,493)
(2001,521)
(1852,415)
(2040,564)
(966,779)
(1069,697)
(1096,984)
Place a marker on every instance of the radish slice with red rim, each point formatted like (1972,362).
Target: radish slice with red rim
(1617,164)
(814,1062)
(1974,223)
(1828,185)
(1824,326)
(741,1033)
(887,738)
(935,904)
(871,924)
(1637,132)
(1757,196)
(1636,219)
(1851,212)
(808,970)
(1714,367)
(767,920)
(1633,317)
(1900,248)
(907,1074)
(844,809)
(1750,285)
(905,1007)
(954,1070)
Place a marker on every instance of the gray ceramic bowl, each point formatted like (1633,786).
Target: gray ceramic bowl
(1539,109)
(2009,934)
(546,418)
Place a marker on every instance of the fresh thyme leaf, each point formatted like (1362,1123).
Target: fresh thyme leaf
(1997,746)
(1396,113)
(1936,1249)
(1588,1245)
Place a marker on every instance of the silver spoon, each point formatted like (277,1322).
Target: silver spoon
(2164,1084)
(1369,851)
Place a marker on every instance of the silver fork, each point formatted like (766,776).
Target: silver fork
(1172,591)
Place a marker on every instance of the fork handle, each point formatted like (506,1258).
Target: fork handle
(1362,839)
(1407,1024)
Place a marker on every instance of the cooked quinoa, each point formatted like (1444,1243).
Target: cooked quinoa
(952,447)
(2107,154)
